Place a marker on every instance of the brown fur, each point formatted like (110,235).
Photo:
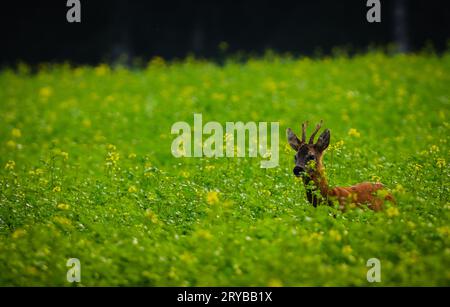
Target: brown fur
(371,194)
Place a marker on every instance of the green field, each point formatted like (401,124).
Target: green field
(87,172)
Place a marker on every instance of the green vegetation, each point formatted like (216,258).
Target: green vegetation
(87,172)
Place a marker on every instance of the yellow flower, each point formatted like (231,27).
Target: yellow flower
(187,257)
(152,216)
(185,174)
(45,92)
(86,123)
(270,85)
(275,283)
(63,206)
(354,132)
(316,235)
(338,145)
(335,235)
(401,92)
(266,193)
(19,233)
(101,70)
(444,230)
(312,164)
(57,189)
(210,167)
(10,165)
(39,171)
(347,250)
(11,144)
(417,167)
(16,133)
(440,162)
(110,98)
(111,147)
(375,178)
(112,156)
(64,155)
(204,234)
(399,189)
(149,174)
(218,96)
(62,220)
(392,211)
(434,148)
(212,197)
(132,189)
(132,156)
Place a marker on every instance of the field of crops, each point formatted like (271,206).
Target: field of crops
(87,172)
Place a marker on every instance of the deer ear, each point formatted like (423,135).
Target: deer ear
(293,139)
(323,141)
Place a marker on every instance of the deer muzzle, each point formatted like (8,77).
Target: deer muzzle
(298,170)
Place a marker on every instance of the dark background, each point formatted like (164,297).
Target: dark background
(37,31)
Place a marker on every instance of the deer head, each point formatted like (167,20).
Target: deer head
(308,156)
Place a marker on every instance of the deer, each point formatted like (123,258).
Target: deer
(309,167)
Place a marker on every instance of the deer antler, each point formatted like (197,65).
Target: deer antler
(313,135)
(304,125)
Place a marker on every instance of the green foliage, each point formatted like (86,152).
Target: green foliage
(87,172)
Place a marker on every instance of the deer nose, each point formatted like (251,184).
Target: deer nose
(298,170)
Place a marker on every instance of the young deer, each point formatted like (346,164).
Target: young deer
(309,166)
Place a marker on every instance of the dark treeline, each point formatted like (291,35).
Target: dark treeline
(37,31)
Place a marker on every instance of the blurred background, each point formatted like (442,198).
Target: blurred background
(113,30)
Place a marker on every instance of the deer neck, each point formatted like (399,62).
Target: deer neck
(316,182)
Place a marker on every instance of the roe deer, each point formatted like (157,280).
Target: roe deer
(309,166)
